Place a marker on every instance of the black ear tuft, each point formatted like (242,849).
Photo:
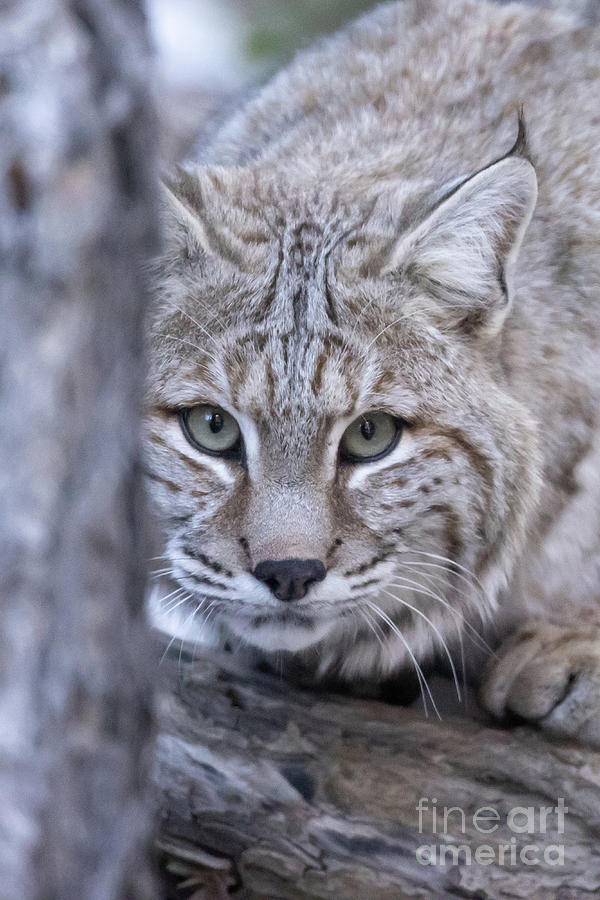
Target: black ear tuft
(464,251)
(520,146)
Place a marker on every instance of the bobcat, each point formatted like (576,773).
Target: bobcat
(373,409)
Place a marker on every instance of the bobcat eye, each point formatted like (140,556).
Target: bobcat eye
(370,437)
(211,430)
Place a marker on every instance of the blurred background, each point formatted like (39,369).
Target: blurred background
(211,50)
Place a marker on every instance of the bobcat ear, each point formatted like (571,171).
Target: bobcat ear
(183,230)
(464,251)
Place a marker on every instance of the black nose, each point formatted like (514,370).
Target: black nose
(290,579)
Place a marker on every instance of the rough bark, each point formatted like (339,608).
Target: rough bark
(77,176)
(278,792)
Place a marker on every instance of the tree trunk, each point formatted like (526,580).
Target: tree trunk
(77,215)
(276,792)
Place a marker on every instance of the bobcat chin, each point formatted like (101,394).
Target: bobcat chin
(372,428)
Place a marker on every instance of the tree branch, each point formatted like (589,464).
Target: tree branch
(288,793)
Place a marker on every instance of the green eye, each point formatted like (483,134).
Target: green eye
(211,430)
(370,437)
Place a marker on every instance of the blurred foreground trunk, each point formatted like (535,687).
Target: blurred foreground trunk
(77,173)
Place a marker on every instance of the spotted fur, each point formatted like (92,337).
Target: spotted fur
(361,235)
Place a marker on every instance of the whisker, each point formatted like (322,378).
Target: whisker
(381,639)
(457,624)
(177,590)
(171,606)
(172,337)
(451,565)
(168,647)
(463,666)
(437,632)
(188,622)
(420,677)
(211,610)
(179,558)
(371,624)
(358,317)
(434,582)
(157,573)
(446,569)
(420,589)
(378,611)
(481,642)
(174,605)
(198,325)
(419,673)
(202,625)
(383,330)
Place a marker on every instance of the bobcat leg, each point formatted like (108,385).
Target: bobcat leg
(549,675)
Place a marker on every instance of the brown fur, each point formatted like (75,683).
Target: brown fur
(347,243)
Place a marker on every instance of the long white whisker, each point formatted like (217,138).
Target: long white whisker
(383,330)
(168,647)
(455,612)
(176,591)
(378,634)
(172,337)
(198,325)
(211,609)
(437,632)
(358,317)
(188,622)
(480,640)
(462,665)
(378,611)
(174,605)
(374,624)
(449,572)
(178,558)
(459,619)
(203,624)
(418,671)
(433,581)
(420,589)
(451,565)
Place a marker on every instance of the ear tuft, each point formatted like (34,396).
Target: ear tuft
(184,232)
(520,146)
(464,251)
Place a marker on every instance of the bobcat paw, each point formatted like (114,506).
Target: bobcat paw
(549,676)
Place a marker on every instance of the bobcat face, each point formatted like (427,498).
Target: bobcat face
(328,439)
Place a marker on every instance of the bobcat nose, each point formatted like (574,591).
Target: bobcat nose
(290,579)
